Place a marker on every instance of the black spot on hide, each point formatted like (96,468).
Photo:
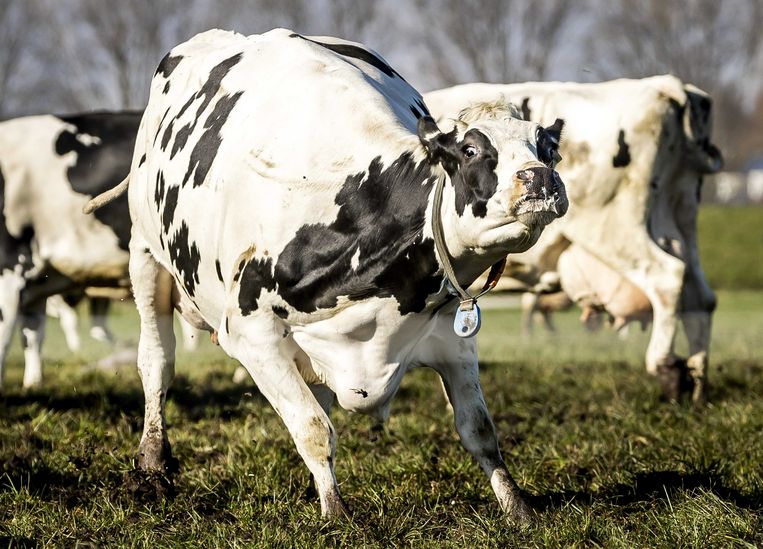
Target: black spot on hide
(218,270)
(205,150)
(356,52)
(185,258)
(206,94)
(623,156)
(256,276)
(280,312)
(168,64)
(526,108)
(381,216)
(170,204)
(103,163)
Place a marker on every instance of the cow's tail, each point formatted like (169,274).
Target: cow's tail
(107,196)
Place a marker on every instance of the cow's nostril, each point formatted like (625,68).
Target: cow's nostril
(525,175)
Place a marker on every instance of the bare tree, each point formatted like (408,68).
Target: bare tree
(349,19)
(109,52)
(12,33)
(715,45)
(491,40)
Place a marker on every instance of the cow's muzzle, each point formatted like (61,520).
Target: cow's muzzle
(544,191)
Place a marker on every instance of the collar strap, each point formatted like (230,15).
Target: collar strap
(442,250)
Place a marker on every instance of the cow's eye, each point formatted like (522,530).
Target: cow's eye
(470,151)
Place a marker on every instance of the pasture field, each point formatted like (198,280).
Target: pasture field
(730,241)
(580,424)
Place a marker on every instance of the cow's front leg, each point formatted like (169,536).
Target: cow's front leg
(257,342)
(156,354)
(698,303)
(32,336)
(57,307)
(660,277)
(477,433)
(698,326)
(11,285)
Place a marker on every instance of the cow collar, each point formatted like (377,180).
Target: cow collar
(467,321)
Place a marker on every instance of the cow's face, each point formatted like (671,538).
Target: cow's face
(502,173)
(697,121)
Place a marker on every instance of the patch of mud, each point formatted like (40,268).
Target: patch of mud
(147,487)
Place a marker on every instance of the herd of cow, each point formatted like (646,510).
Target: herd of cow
(295,197)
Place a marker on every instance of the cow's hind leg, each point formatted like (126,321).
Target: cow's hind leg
(660,277)
(99,310)
(698,304)
(156,355)
(256,341)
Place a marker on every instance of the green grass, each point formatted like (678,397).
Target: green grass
(731,246)
(580,425)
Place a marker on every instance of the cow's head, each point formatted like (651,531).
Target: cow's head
(697,122)
(501,170)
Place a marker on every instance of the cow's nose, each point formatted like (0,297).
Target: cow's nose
(539,180)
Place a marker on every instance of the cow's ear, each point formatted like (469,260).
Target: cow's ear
(554,131)
(440,147)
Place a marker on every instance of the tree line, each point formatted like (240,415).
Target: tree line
(73,55)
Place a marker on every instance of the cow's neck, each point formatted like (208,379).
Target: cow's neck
(467,262)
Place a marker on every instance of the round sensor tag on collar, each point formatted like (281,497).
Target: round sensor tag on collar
(468,319)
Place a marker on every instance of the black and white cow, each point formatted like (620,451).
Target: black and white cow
(50,166)
(635,152)
(281,194)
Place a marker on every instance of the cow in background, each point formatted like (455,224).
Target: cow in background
(634,155)
(50,166)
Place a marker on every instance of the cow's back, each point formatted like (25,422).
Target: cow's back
(610,130)
(247,139)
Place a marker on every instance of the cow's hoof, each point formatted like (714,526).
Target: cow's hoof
(675,380)
(334,507)
(520,513)
(155,456)
(699,393)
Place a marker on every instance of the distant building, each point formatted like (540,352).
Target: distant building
(734,187)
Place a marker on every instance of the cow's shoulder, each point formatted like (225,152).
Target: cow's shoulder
(374,247)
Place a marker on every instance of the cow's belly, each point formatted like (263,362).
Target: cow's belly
(88,255)
(361,353)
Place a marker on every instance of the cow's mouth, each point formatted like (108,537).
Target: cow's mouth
(548,201)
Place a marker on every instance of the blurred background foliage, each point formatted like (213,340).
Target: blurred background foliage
(69,55)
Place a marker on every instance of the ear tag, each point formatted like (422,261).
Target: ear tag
(468,319)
